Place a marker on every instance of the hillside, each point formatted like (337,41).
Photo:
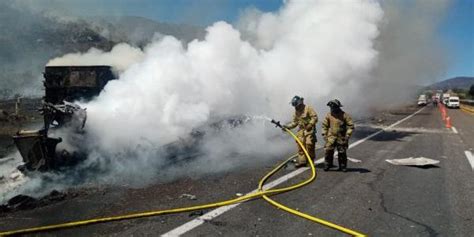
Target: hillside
(28,40)
(453,83)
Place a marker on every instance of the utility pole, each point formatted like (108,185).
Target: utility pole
(17,106)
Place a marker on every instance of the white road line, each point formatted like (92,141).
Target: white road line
(470,158)
(405,129)
(319,161)
(182,229)
(216,212)
(454,130)
(381,131)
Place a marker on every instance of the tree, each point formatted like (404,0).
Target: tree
(471,91)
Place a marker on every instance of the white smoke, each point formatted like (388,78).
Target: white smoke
(309,48)
(169,90)
(121,57)
(318,49)
(411,53)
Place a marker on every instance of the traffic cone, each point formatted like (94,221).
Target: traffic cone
(448,122)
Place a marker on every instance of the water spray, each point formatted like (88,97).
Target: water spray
(263,117)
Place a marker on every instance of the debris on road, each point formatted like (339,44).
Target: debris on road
(22,202)
(354,160)
(216,223)
(239,194)
(420,161)
(188,196)
(196,213)
(25,202)
(15,175)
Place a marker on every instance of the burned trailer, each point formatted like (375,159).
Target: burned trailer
(63,85)
(72,83)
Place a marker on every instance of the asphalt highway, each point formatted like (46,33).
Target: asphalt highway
(374,197)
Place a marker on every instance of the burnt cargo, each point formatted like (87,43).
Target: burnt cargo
(71,83)
(63,85)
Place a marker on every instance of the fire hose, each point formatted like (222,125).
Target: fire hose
(260,193)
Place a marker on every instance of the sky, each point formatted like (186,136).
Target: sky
(455,31)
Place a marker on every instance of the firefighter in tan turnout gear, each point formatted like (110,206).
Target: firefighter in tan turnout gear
(305,118)
(337,129)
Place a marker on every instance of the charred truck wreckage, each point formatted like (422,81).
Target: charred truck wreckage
(63,85)
(60,141)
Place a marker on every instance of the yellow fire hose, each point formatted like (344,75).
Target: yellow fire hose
(293,211)
(259,193)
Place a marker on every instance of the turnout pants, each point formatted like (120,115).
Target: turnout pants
(309,141)
(341,146)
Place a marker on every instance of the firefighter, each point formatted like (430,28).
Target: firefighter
(305,118)
(337,129)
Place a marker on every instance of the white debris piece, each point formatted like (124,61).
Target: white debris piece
(188,196)
(420,161)
(353,160)
(15,175)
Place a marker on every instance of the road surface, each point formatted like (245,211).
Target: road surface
(374,197)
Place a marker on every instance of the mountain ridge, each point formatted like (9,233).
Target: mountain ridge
(459,82)
(28,40)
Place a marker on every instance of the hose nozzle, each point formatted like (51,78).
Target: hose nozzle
(277,123)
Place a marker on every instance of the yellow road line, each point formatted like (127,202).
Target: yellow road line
(467,109)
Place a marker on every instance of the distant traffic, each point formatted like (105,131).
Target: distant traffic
(449,99)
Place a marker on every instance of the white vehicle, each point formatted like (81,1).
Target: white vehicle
(453,102)
(445,98)
(422,100)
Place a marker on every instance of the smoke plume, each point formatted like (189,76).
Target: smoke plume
(309,48)
(121,57)
(411,54)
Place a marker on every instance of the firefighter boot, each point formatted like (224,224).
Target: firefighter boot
(342,159)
